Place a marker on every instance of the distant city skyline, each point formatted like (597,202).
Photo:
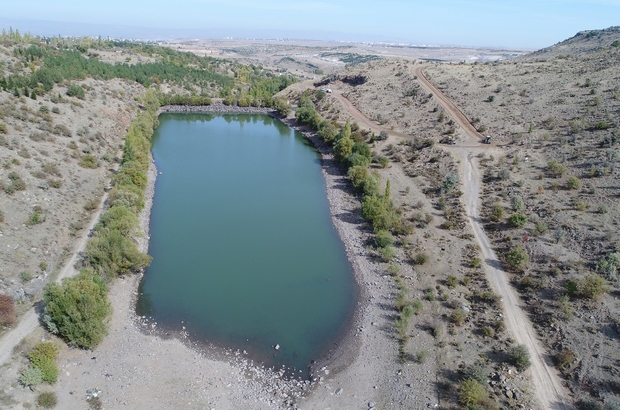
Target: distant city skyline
(529,24)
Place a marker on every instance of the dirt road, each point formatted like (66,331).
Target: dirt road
(548,388)
(30,320)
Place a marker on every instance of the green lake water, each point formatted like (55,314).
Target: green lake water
(244,251)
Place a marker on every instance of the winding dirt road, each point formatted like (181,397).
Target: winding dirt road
(548,388)
(30,320)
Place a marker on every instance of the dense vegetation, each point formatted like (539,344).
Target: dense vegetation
(57,61)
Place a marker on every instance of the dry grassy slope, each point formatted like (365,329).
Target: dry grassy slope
(43,157)
(451,280)
(583,42)
(570,230)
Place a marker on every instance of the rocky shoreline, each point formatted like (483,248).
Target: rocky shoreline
(139,366)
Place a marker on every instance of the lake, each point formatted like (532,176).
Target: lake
(245,255)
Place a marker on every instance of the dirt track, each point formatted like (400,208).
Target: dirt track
(30,320)
(548,388)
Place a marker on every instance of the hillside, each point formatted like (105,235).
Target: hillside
(584,42)
(553,166)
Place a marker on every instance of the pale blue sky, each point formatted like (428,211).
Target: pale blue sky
(505,23)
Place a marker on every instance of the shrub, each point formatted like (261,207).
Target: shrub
(541,228)
(387,253)
(79,308)
(565,358)
(1,216)
(74,90)
(497,213)
(488,331)
(112,253)
(31,377)
(593,286)
(47,400)
(555,169)
(420,258)
(517,220)
(504,174)
(471,392)
(449,182)
(89,161)
(609,266)
(43,357)
(7,310)
(383,239)
(452,281)
(3,128)
(573,183)
(35,218)
(459,317)
(520,357)
(517,204)
(517,258)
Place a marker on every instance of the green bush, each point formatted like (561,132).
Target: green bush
(343,148)
(387,253)
(328,131)
(573,183)
(420,258)
(517,220)
(355,160)
(383,239)
(43,357)
(112,254)
(556,169)
(520,357)
(471,392)
(74,90)
(89,161)
(593,286)
(31,377)
(79,308)
(517,204)
(497,213)
(47,400)
(459,317)
(357,175)
(517,258)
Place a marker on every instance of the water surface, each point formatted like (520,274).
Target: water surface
(244,251)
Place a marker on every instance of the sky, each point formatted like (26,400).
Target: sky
(529,24)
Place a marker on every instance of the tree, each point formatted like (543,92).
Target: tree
(346,131)
(79,308)
(343,148)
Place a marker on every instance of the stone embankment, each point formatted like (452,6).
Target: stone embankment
(218,108)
